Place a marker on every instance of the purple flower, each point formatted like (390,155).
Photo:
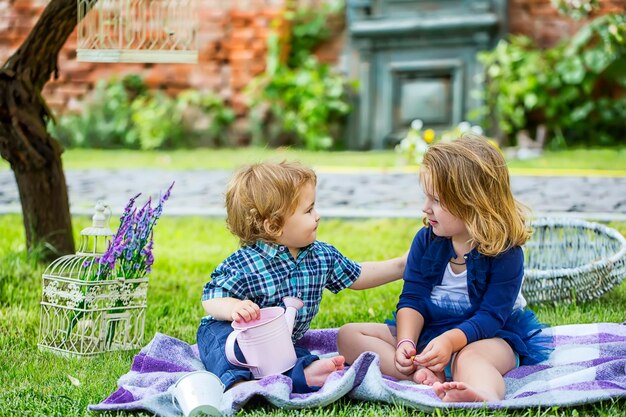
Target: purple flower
(130,249)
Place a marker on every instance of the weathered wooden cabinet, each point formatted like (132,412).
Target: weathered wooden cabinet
(416,59)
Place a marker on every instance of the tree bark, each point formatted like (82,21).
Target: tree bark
(34,155)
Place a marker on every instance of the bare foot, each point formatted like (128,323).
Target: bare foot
(459,392)
(317,372)
(427,377)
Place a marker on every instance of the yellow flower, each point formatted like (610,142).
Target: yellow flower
(429,136)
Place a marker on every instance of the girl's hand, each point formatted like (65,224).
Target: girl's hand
(436,354)
(404,358)
(245,310)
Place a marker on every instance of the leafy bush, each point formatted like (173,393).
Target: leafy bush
(104,121)
(577,89)
(576,9)
(299,102)
(299,106)
(123,113)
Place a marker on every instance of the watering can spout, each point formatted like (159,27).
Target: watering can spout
(292,304)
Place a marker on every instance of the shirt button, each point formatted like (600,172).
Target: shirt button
(299,295)
(281,248)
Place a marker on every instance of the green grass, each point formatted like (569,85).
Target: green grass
(187,249)
(576,159)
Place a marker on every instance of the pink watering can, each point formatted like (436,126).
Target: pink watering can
(266,342)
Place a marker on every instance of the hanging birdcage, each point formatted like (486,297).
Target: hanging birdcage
(153,31)
(82,313)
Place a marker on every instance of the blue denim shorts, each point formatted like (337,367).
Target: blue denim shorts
(212,335)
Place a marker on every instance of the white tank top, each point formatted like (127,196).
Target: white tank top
(452,292)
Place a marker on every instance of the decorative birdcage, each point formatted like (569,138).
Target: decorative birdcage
(82,314)
(153,31)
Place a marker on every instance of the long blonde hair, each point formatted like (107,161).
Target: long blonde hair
(265,191)
(471,179)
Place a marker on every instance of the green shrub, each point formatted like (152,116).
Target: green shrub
(577,89)
(123,113)
(299,106)
(104,121)
(301,101)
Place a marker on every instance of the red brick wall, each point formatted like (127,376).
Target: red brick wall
(232,38)
(542,22)
(232,49)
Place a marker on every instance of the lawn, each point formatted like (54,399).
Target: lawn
(605,161)
(187,249)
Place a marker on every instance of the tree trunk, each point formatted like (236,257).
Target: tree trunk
(34,155)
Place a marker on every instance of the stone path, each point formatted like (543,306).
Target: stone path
(350,195)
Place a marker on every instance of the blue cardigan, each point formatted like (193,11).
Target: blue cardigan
(493,284)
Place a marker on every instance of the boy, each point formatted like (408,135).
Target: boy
(271,208)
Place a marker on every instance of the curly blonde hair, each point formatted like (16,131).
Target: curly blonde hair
(264,191)
(471,179)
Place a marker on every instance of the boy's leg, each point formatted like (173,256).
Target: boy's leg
(211,343)
(297,374)
(356,338)
(477,372)
(310,372)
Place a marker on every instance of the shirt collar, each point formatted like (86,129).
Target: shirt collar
(271,250)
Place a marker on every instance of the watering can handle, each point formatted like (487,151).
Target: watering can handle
(230,349)
(174,402)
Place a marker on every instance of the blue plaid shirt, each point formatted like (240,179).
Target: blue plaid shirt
(265,273)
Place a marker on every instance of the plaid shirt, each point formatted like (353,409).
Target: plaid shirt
(265,273)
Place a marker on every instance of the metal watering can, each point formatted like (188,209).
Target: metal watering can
(266,342)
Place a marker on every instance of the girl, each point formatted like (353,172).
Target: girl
(461,321)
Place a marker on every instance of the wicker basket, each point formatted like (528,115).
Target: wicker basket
(572,260)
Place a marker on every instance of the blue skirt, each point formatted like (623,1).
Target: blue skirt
(522,331)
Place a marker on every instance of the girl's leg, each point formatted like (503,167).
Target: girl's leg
(427,377)
(477,372)
(356,338)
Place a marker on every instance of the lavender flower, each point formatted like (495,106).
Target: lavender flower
(129,253)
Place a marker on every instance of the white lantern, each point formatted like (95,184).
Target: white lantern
(81,315)
(154,31)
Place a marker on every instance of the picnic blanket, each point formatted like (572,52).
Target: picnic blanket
(587,365)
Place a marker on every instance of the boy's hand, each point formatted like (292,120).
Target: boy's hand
(245,310)
(404,358)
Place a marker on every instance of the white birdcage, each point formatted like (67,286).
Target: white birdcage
(153,31)
(82,316)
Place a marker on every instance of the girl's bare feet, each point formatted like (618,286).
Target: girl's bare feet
(317,372)
(460,392)
(425,376)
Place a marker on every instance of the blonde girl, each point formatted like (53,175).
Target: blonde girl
(461,321)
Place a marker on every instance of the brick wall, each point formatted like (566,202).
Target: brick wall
(232,50)
(542,22)
(232,39)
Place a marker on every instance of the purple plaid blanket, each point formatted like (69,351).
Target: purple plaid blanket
(587,365)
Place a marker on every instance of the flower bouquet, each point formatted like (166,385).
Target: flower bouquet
(129,253)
